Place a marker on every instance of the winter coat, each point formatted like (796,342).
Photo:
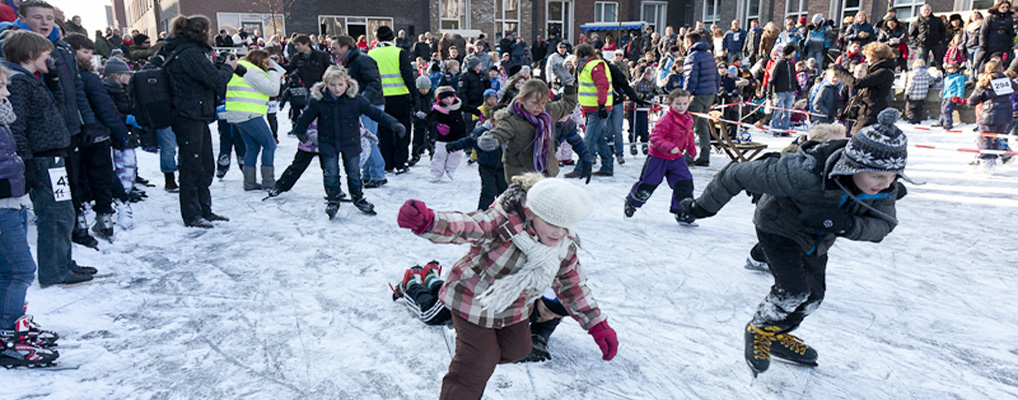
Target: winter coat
(997,34)
(845,60)
(492,256)
(782,77)
(222,41)
(928,31)
(452,116)
(310,67)
(955,55)
(12,168)
(996,108)
(815,38)
(111,125)
(364,70)
(892,37)
(863,33)
(620,86)
(767,41)
(139,54)
(195,81)
(491,159)
(600,78)
(338,118)
(295,93)
(671,131)
(265,82)
(799,182)
(700,71)
(874,88)
(734,41)
(103,47)
(917,84)
(422,50)
(118,93)
(971,37)
(471,88)
(954,86)
(40,128)
(516,134)
(74,103)
(827,101)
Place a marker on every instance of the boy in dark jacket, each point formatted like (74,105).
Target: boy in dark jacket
(489,163)
(117,75)
(446,121)
(826,100)
(422,140)
(296,94)
(809,199)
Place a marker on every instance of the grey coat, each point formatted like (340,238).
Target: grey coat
(797,182)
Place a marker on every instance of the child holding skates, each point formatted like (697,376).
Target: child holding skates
(672,136)
(809,199)
(523,245)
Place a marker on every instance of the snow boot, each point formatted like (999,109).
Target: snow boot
(790,348)
(632,150)
(171,183)
(686,219)
(645,149)
(20,352)
(103,227)
(200,223)
(754,265)
(125,216)
(331,208)
(223,165)
(363,205)
(630,210)
(26,327)
(268,177)
(80,234)
(758,346)
(250,178)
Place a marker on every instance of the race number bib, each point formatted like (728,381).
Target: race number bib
(1002,86)
(60,183)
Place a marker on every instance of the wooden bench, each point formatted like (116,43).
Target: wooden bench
(738,152)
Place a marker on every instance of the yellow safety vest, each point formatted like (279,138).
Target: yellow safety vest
(587,90)
(242,97)
(387,58)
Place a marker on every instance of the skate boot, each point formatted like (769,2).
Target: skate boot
(125,216)
(790,348)
(80,233)
(364,206)
(632,150)
(414,274)
(331,208)
(539,353)
(758,346)
(754,265)
(20,352)
(645,149)
(686,219)
(103,227)
(630,210)
(26,327)
(224,165)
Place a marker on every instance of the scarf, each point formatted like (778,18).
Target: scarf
(532,280)
(7,115)
(542,126)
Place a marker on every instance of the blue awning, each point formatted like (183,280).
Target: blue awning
(611,26)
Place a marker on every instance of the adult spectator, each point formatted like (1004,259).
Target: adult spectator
(892,13)
(620,91)
(750,51)
(458,41)
(632,49)
(768,39)
(734,41)
(970,37)
(954,26)
(102,46)
(701,79)
(142,49)
(224,39)
(196,84)
(873,89)
(781,88)
(997,34)
(518,54)
(861,30)
(595,99)
(555,70)
(673,56)
(815,39)
(247,103)
(670,39)
(242,38)
(309,63)
(403,42)
(539,50)
(421,49)
(74,26)
(928,34)
(650,39)
(400,90)
(893,34)
(362,68)
(505,44)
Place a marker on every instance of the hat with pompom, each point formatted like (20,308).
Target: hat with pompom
(559,202)
(880,147)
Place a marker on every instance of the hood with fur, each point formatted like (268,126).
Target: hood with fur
(319,90)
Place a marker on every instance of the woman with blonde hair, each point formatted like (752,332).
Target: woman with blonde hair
(768,39)
(861,30)
(875,87)
(256,79)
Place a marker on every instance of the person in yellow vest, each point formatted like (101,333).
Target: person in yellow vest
(595,96)
(256,78)
(400,90)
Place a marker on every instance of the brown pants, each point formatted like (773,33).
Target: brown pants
(478,351)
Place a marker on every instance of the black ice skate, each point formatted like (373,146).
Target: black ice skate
(103,227)
(686,219)
(19,352)
(539,353)
(630,210)
(331,208)
(364,206)
(80,234)
(758,346)
(790,348)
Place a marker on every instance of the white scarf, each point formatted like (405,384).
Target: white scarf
(535,277)
(7,115)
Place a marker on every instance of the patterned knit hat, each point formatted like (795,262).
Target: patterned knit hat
(880,147)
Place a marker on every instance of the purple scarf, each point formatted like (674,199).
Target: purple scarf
(542,126)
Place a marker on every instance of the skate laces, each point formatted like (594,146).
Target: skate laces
(762,341)
(793,343)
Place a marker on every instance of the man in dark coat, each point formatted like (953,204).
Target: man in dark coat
(539,50)
(224,39)
(703,82)
(309,63)
(928,33)
(749,52)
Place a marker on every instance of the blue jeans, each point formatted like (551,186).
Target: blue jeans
(780,118)
(816,55)
(330,169)
(597,142)
(374,169)
(167,150)
(17,269)
(55,220)
(615,127)
(257,137)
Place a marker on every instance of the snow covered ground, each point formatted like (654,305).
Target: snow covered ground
(281,303)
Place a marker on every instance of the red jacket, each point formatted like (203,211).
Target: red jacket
(600,77)
(7,13)
(673,130)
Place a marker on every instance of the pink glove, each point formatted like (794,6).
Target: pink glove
(605,338)
(416,216)
(443,129)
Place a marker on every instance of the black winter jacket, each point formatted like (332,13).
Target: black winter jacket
(997,34)
(364,70)
(491,159)
(451,116)
(110,124)
(338,119)
(752,42)
(782,77)
(928,32)
(471,88)
(75,105)
(620,86)
(195,82)
(310,67)
(873,88)
(996,110)
(118,93)
(858,31)
(39,129)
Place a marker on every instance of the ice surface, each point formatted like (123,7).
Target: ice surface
(281,303)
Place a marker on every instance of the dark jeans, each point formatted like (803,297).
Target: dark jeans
(422,140)
(799,282)
(197,167)
(94,178)
(330,168)
(639,126)
(492,184)
(947,113)
(938,55)
(17,269)
(300,163)
(701,104)
(654,171)
(478,351)
(54,221)
(229,138)
(395,150)
(914,111)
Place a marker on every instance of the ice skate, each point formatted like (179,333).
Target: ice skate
(758,347)
(331,208)
(125,216)
(629,210)
(80,233)
(26,326)
(363,205)
(790,348)
(754,265)
(686,219)
(103,226)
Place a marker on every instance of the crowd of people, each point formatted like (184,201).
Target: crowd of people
(520,111)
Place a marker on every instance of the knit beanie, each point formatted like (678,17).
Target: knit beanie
(472,62)
(818,18)
(444,91)
(385,34)
(423,82)
(880,147)
(559,203)
(116,66)
(490,93)
(140,39)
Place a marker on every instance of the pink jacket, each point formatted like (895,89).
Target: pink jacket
(673,130)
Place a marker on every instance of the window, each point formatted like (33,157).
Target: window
(332,25)
(795,8)
(605,11)
(507,16)
(654,13)
(751,12)
(560,18)
(849,8)
(710,13)
(908,8)
(269,24)
(454,14)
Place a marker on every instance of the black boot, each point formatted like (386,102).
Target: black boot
(331,208)
(223,165)
(80,234)
(171,183)
(363,205)
(758,346)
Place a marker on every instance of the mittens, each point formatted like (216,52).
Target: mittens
(415,216)
(443,129)
(399,129)
(690,207)
(487,142)
(605,338)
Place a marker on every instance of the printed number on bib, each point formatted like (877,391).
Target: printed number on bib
(60,183)
(1002,86)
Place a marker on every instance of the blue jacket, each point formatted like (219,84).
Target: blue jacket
(12,168)
(700,71)
(492,159)
(110,125)
(734,41)
(954,86)
(855,31)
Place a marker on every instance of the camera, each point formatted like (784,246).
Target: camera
(223,57)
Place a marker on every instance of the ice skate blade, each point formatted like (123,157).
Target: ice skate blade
(793,362)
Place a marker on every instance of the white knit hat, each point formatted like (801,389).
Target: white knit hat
(559,203)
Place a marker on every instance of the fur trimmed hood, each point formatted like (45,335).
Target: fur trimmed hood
(319,89)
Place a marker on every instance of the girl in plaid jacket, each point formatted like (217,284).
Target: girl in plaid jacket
(521,246)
